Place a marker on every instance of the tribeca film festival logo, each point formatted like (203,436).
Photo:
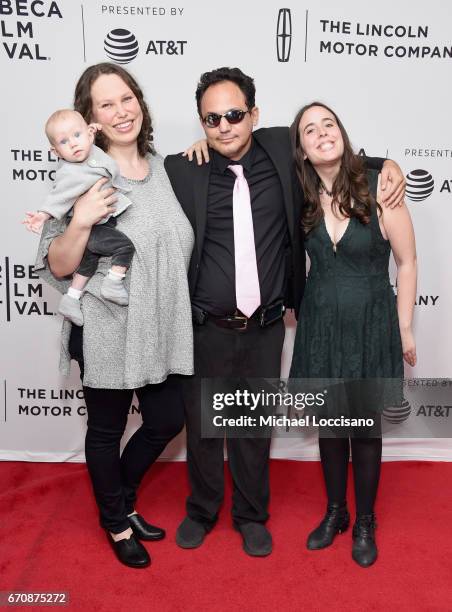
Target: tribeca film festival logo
(23,293)
(121,46)
(284,35)
(18,36)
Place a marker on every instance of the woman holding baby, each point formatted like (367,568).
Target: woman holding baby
(141,348)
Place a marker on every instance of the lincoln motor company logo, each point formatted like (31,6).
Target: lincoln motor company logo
(284,35)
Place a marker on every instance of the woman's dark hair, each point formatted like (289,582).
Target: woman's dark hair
(350,184)
(84,104)
(235,75)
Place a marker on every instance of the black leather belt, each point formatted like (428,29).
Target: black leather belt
(264,316)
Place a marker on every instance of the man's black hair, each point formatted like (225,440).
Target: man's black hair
(235,75)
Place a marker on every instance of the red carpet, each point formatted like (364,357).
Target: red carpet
(50,541)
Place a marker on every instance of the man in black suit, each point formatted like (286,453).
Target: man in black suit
(227,342)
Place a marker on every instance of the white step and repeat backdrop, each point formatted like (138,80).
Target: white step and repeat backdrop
(384,67)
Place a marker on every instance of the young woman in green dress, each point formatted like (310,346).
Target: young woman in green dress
(350,326)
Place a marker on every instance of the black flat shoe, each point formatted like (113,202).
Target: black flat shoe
(336,520)
(130,552)
(257,540)
(364,550)
(144,530)
(190,533)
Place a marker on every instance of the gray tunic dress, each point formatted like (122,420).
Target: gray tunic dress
(129,347)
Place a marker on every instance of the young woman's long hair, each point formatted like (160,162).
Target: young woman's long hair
(350,184)
(84,104)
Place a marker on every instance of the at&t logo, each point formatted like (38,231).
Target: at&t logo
(419,185)
(121,46)
(397,414)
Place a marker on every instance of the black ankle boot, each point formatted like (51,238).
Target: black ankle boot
(336,520)
(364,550)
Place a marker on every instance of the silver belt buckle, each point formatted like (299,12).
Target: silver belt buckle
(240,316)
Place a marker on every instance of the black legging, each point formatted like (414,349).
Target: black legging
(366,456)
(116,478)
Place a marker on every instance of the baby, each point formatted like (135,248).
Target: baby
(81,164)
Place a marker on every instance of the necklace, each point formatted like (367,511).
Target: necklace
(323,189)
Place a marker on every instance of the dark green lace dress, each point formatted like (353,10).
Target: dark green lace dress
(348,325)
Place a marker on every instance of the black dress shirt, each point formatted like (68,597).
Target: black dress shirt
(215,289)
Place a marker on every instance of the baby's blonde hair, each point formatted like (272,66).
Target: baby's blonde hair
(63,113)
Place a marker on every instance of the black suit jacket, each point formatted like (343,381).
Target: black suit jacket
(191,185)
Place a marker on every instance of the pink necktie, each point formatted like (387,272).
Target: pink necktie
(247,290)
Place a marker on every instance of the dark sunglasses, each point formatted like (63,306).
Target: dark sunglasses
(234,116)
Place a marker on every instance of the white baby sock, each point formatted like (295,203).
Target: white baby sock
(74,293)
(115,275)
